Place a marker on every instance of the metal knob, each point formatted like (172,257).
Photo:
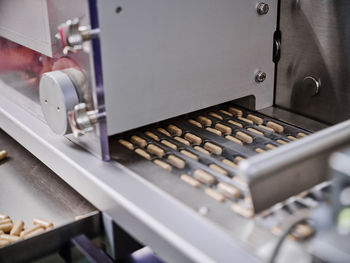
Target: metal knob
(81,120)
(311,85)
(58,97)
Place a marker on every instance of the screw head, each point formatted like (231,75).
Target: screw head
(260,77)
(262,8)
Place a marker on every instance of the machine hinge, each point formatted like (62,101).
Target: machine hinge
(276,46)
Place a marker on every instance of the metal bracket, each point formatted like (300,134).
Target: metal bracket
(73,35)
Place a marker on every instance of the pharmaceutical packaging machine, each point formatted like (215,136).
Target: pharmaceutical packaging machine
(176,131)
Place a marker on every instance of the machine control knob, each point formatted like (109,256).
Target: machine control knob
(311,85)
(58,96)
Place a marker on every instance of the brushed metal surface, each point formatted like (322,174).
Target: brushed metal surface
(315,43)
(165,58)
(28,28)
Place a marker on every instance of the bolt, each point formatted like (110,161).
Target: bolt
(260,77)
(262,8)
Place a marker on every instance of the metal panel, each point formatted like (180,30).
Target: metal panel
(315,43)
(26,22)
(165,58)
(294,167)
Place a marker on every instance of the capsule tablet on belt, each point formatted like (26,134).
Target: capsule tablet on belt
(190,180)
(301,135)
(226,113)
(152,135)
(281,141)
(266,128)
(223,128)
(138,140)
(236,112)
(204,120)
(189,154)
(163,164)
(218,169)
(276,127)
(196,123)
(244,137)
(143,153)
(259,150)
(213,148)
(229,190)
(270,146)
(235,123)
(255,131)
(204,176)
(245,120)
(215,131)
(193,138)
(243,211)
(174,130)
(202,150)
(229,163)
(238,159)
(126,144)
(169,144)
(292,138)
(154,149)
(233,139)
(182,140)
(215,115)
(176,161)
(215,195)
(255,119)
(165,132)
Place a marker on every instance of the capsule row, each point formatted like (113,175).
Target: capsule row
(11,232)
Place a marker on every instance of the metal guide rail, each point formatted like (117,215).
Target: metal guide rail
(204,149)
